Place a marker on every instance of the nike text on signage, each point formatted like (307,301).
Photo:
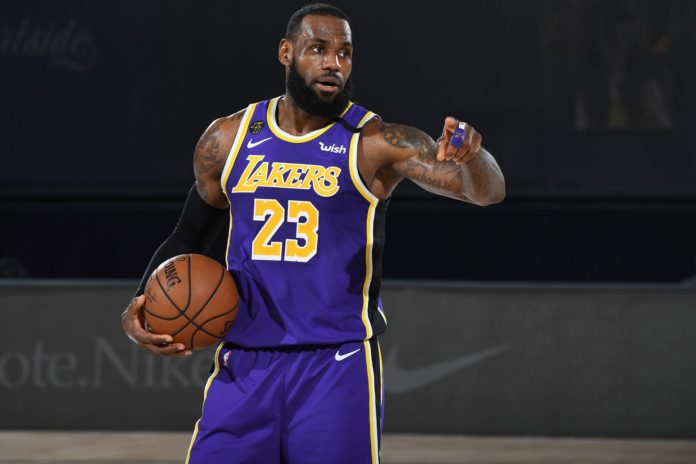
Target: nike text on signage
(341,149)
(324,180)
(100,366)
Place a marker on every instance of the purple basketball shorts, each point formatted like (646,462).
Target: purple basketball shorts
(308,405)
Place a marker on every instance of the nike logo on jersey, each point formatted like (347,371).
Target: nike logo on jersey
(401,380)
(259,173)
(341,357)
(332,148)
(252,144)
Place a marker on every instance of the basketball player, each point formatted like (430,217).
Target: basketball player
(307,177)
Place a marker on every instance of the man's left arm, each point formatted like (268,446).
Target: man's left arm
(467,173)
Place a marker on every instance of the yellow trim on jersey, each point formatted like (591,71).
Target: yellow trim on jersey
(381,374)
(229,238)
(353,161)
(374,443)
(238,139)
(281,134)
(205,395)
(369,223)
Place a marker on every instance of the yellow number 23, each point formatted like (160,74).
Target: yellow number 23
(273,213)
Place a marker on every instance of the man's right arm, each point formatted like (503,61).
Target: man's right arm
(203,217)
(210,157)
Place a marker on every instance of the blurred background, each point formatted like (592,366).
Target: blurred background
(588,106)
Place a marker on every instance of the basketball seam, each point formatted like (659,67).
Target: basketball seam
(200,328)
(212,294)
(182,312)
(149,311)
(190,320)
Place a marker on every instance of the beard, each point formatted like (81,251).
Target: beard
(308,100)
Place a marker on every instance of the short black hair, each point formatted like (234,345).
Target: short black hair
(321,9)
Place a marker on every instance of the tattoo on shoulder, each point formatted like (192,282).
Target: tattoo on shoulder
(400,136)
(207,155)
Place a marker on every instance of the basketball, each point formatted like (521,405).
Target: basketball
(191,297)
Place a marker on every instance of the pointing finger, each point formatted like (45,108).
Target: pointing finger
(451,125)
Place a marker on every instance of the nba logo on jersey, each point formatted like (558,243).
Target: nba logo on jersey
(225,358)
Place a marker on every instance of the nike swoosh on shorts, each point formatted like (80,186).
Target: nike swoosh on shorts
(341,357)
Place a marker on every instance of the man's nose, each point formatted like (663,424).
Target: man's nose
(331,62)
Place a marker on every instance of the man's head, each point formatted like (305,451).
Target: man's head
(317,54)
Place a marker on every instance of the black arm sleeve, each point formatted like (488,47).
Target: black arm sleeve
(198,227)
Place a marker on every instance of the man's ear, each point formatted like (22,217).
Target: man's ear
(285,52)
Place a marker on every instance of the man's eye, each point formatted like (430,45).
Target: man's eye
(317,49)
(344,54)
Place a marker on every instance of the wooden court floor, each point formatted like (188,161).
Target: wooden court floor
(169,448)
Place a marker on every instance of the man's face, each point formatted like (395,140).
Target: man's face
(318,79)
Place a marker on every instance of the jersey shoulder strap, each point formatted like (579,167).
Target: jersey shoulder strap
(355,118)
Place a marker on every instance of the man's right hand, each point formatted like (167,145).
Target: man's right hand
(132,323)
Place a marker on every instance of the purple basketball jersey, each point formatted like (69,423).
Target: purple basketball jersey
(306,235)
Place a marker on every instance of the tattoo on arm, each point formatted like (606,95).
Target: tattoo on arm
(477,181)
(209,156)
(400,136)
(206,157)
(443,177)
(420,173)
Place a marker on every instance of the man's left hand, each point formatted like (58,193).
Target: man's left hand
(466,137)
